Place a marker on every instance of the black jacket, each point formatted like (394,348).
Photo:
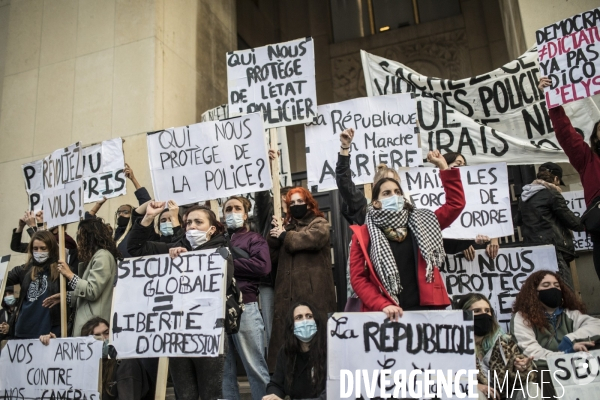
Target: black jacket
(544,218)
(302,387)
(263,214)
(354,203)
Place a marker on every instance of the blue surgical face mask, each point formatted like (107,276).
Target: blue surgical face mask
(234,220)
(393,203)
(10,300)
(305,330)
(166,228)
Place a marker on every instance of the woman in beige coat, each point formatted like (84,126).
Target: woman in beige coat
(90,290)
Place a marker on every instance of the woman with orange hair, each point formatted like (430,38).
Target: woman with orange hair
(302,251)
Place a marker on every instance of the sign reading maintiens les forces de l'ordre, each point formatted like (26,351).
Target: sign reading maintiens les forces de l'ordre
(278,79)
(384,132)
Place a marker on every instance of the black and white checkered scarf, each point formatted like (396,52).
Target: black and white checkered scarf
(423,223)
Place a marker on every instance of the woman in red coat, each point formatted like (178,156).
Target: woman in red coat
(395,255)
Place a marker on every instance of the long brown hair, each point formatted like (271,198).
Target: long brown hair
(52,245)
(529,305)
(108,365)
(310,201)
(93,235)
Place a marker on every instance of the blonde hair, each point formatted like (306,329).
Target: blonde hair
(382,172)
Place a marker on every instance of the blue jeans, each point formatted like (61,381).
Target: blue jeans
(267,308)
(249,343)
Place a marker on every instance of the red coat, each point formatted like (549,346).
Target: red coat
(363,277)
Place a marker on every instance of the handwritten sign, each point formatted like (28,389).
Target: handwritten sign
(34,184)
(487,211)
(576,203)
(499,279)
(569,55)
(420,340)
(277,79)
(385,132)
(65,369)
(575,376)
(3,271)
(165,307)
(209,160)
(103,166)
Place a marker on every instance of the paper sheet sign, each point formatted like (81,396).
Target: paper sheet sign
(487,211)
(384,132)
(209,160)
(34,184)
(103,166)
(576,203)
(165,307)
(278,79)
(569,55)
(499,279)
(575,376)
(65,369)
(3,270)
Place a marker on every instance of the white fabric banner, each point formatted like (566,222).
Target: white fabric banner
(420,340)
(34,184)
(278,79)
(576,376)
(487,211)
(569,54)
(165,307)
(384,132)
(209,160)
(499,279)
(576,203)
(495,117)
(65,369)
(103,166)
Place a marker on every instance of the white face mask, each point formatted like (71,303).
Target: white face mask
(196,237)
(41,256)
(234,220)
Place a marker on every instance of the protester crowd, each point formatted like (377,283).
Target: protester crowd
(280,286)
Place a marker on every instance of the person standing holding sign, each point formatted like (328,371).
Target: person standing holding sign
(586,160)
(251,262)
(394,258)
(303,253)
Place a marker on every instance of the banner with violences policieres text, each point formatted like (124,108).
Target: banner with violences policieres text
(496,117)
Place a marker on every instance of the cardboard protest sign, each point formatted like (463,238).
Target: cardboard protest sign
(103,166)
(65,369)
(569,54)
(493,117)
(34,184)
(499,279)
(575,376)
(277,79)
(576,203)
(209,160)
(3,271)
(420,340)
(63,186)
(215,114)
(487,211)
(165,307)
(385,132)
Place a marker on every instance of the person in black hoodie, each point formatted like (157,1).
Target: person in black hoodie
(301,370)
(7,310)
(199,376)
(544,217)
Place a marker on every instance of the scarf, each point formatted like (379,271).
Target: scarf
(423,223)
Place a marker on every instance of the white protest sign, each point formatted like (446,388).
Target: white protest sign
(499,279)
(575,376)
(103,166)
(165,307)
(209,160)
(576,203)
(34,184)
(487,211)
(3,271)
(419,341)
(65,369)
(63,186)
(498,116)
(277,79)
(215,114)
(385,132)
(569,54)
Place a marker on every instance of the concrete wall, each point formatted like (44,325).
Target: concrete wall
(90,70)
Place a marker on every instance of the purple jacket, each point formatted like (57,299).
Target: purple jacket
(249,271)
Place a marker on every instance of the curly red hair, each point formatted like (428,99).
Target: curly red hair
(528,303)
(308,199)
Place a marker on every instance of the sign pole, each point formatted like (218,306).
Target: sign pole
(63,282)
(214,206)
(275,173)
(161,378)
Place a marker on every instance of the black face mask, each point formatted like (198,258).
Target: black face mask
(122,221)
(551,297)
(299,211)
(484,323)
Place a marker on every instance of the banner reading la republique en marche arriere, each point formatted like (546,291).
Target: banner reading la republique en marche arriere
(495,117)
